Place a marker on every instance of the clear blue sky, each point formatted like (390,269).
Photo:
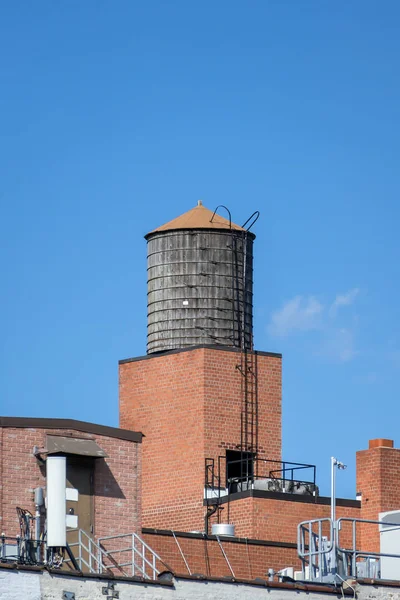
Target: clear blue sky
(117,116)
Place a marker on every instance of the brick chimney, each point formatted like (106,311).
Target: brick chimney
(378,475)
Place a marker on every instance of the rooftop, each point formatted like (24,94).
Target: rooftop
(45,423)
(198,217)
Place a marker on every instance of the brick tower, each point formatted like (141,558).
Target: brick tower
(208,404)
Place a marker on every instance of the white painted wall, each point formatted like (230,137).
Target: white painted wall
(19,585)
(24,585)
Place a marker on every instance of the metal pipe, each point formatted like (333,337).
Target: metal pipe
(224,555)
(180,550)
(39,500)
(209,513)
(333,492)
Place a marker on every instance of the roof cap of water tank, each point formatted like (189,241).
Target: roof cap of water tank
(198,217)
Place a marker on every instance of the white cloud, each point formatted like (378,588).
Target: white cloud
(306,313)
(298,314)
(343,300)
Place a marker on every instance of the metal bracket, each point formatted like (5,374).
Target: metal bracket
(68,595)
(109,591)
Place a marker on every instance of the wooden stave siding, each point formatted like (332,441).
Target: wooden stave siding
(195,265)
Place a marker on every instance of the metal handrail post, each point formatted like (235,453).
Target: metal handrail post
(133,555)
(320,557)
(80,548)
(303,543)
(143,560)
(354,557)
(99,561)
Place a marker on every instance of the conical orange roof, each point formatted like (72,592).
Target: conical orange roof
(198,217)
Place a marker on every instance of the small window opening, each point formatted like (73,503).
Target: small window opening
(239,466)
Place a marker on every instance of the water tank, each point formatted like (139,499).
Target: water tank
(223,529)
(200,283)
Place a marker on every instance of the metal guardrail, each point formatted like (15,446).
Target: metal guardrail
(134,558)
(352,555)
(252,468)
(325,557)
(314,548)
(143,560)
(22,551)
(90,555)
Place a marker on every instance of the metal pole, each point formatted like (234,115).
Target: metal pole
(334,463)
(333,513)
(225,556)
(133,555)
(80,548)
(180,550)
(90,555)
(333,493)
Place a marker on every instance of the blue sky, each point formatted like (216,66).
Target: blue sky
(118,116)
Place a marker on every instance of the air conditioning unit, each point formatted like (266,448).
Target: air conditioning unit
(298,575)
(390,544)
(287,572)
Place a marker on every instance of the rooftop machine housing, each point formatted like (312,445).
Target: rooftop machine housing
(200,282)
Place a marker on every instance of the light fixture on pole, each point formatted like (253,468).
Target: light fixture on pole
(339,465)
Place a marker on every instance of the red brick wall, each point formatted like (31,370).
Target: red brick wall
(188,405)
(164,398)
(378,474)
(256,519)
(204,556)
(223,403)
(117,479)
(277,519)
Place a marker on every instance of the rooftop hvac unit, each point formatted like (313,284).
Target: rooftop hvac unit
(369,568)
(287,572)
(298,575)
(390,544)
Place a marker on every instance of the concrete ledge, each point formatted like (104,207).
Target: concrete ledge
(285,497)
(191,348)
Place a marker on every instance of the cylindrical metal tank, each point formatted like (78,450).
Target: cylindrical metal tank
(223,529)
(200,283)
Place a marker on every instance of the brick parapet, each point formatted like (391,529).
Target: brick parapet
(248,558)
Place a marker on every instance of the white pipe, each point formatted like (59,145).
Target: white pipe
(333,490)
(56,501)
